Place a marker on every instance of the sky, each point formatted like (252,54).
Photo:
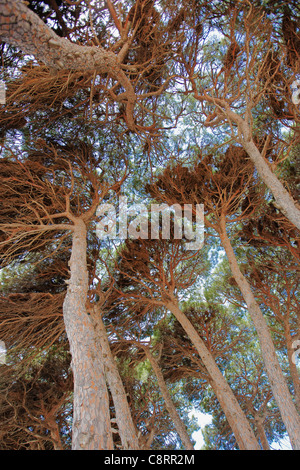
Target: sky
(205,418)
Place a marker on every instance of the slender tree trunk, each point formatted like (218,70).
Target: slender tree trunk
(239,424)
(91,419)
(261,434)
(54,431)
(293,367)
(284,200)
(179,425)
(278,384)
(125,423)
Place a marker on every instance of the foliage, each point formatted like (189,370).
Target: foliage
(167,127)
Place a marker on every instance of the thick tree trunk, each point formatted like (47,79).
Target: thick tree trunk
(21,27)
(278,384)
(239,424)
(125,423)
(179,425)
(91,428)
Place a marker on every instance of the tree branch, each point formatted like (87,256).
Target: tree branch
(22,28)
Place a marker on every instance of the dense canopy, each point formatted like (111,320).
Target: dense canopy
(123,126)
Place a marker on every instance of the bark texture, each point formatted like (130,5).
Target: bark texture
(239,424)
(293,368)
(284,200)
(22,28)
(91,419)
(278,384)
(125,423)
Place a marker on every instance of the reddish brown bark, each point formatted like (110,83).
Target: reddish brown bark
(22,28)
(278,384)
(125,423)
(179,425)
(91,419)
(239,424)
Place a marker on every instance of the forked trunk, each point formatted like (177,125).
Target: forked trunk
(278,384)
(91,428)
(238,422)
(293,368)
(127,429)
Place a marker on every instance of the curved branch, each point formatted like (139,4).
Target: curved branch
(22,28)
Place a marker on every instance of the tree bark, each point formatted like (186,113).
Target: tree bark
(179,425)
(283,199)
(261,434)
(125,423)
(293,367)
(278,384)
(21,27)
(91,428)
(239,424)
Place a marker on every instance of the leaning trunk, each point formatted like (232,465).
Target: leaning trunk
(179,425)
(283,199)
(91,419)
(292,364)
(278,384)
(238,422)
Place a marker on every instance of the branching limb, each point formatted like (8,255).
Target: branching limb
(22,28)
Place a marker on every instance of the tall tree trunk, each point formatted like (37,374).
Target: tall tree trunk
(284,200)
(293,367)
(125,423)
(91,428)
(278,384)
(179,425)
(239,424)
(261,433)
